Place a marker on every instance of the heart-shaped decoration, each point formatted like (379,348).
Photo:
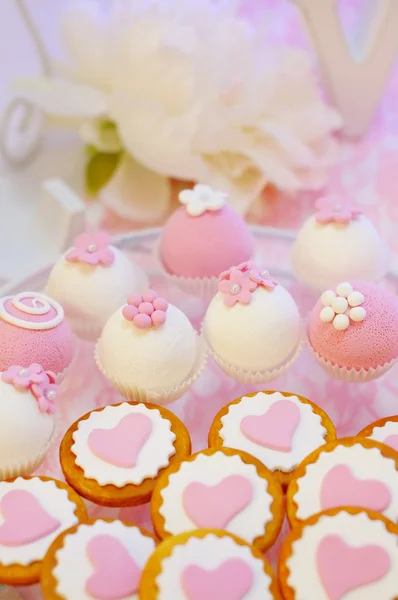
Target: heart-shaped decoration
(230,581)
(392,441)
(25,520)
(121,445)
(116,574)
(343,568)
(275,428)
(213,506)
(341,488)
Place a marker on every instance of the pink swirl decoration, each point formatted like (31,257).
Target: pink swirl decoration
(42,384)
(148,310)
(31,310)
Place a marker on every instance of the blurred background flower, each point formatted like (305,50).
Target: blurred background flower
(167,89)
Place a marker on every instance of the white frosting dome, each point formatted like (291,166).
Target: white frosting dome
(93,293)
(156,358)
(325,254)
(24,430)
(256,336)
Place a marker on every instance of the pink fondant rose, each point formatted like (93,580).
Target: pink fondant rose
(335,210)
(42,384)
(92,249)
(238,288)
(147,310)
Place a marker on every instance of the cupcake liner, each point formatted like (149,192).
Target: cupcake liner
(351,375)
(33,463)
(161,397)
(255,377)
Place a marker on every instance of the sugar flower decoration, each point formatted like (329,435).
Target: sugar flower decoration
(42,384)
(200,199)
(342,306)
(92,249)
(263,279)
(147,310)
(243,267)
(335,210)
(238,288)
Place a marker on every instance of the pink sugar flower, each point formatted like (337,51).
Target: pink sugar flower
(24,377)
(92,249)
(238,288)
(243,267)
(263,279)
(335,210)
(45,394)
(147,310)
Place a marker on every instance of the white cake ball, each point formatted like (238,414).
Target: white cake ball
(157,357)
(91,293)
(324,254)
(259,336)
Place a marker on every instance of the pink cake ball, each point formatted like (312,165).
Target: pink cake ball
(355,326)
(33,330)
(205,236)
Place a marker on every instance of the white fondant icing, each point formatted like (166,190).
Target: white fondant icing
(74,567)
(157,358)
(379,434)
(24,429)
(355,530)
(41,305)
(308,436)
(258,336)
(324,255)
(209,553)
(364,463)
(248,524)
(54,501)
(154,455)
(95,293)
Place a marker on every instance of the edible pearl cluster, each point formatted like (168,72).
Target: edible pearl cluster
(341,306)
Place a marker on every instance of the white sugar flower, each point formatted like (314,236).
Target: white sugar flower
(190,90)
(341,306)
(201,199)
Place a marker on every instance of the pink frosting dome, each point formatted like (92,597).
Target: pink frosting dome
(367,344)
(205,245)
(28,337)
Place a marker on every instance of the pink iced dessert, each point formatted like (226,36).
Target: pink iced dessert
(33,330)
(355,326)
(205,236)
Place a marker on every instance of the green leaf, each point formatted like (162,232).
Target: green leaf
(100,169)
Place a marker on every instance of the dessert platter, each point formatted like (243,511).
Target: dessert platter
(203,411)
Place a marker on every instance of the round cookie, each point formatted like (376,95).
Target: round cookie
(348,472)
(384,431)
(113,455)
(33,511)
(221,489)
(278,428)
(339,554)
(102,558)
(207,564)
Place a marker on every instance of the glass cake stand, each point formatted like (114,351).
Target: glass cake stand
(350,406)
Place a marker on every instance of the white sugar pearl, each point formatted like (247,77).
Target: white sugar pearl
(339,305)
(341,322)
(328,297)
(357,314)
(327,314)
(355,299)
(344,289)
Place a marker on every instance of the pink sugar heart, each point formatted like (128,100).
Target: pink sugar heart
(25,520)
(341,488)
(116,574)
(343,568)
(392,441)
(214,506)
(275,428)
(121,445)
(230,581)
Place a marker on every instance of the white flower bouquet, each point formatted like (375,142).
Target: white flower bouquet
(162,89)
